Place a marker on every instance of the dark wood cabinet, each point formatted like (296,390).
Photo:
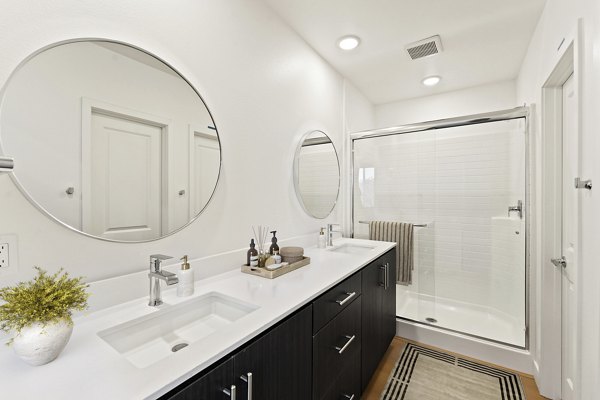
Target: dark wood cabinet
(378,312)
(251,369)
(326,351)
(291,358)
(332,302)
(336,354)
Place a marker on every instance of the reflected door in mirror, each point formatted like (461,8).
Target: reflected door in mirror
(124,201)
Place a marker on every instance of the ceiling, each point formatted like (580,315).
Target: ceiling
(484,41)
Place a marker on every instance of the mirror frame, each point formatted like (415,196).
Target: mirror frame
(34,202)
(297,177)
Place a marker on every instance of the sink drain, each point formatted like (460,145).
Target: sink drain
(178,347)
(431,320)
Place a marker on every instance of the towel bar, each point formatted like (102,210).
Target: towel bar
(415,225)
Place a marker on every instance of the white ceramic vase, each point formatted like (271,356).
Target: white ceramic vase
(38,344)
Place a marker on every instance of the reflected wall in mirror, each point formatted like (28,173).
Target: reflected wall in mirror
(317,174)
(109,140)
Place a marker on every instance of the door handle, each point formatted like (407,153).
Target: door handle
(518,208)
(387,275)
(230,392)
(345,346)
(348,297)
(248,379)
(559,262)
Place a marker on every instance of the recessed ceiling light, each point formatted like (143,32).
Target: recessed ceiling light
(348,42)
(431,80)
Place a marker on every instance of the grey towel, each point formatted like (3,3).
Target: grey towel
(402,234)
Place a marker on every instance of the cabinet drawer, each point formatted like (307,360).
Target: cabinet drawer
(335,300)
(337,348)
(347,385)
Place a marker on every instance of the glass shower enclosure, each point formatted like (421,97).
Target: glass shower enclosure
(462,183)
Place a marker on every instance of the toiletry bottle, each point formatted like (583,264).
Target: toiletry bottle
(252,255)
(274,246)
(185,286)
(276,257)
(322,240)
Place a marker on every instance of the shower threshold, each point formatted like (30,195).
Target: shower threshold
(459,317)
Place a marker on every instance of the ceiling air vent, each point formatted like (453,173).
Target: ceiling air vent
(425,47)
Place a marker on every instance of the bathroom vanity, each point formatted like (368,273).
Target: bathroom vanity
(318,332)
(333,345)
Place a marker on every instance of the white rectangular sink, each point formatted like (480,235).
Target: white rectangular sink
(151,338)
(349,248)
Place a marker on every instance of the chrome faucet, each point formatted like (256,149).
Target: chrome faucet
(156,275)
(330,233)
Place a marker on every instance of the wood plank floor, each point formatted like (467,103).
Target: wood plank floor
(377,384)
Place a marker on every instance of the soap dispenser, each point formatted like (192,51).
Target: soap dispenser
(185,286)
(322,240)
(274,246)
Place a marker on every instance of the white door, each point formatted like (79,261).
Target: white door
(570,240)
(205,159)
(125,196)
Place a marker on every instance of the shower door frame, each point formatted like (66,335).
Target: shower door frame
(474,119)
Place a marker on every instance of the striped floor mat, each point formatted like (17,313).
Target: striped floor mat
(425,374)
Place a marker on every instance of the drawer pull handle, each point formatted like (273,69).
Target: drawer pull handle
(248,379)
(230,393)
(345,346)
(349,397)
(348,297)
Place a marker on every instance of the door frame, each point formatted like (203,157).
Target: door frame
(193,131)
(88,107)
(548,335)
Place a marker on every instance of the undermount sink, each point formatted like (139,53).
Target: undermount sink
(151,338)
(349,248)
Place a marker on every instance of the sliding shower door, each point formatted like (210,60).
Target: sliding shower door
(463,188)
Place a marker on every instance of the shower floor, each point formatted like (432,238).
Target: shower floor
(458,316)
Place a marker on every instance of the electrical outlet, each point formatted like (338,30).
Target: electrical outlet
(8,254)
(4,256)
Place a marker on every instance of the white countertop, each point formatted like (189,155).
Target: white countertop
(90,368)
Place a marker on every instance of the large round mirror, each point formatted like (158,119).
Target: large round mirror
(317,174)
(109,140)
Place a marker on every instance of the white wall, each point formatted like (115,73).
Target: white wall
(474,100)
(263,84)
(558,22)
(359,115)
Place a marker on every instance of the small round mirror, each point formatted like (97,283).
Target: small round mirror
(317,174)
(109,140)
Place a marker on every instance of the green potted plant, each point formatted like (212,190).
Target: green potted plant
(38,314)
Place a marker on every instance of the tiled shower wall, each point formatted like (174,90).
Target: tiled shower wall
(460,182)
